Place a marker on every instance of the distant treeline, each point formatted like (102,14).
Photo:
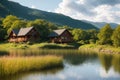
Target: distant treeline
(106,35)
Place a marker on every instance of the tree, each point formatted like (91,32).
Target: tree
(66,27)
(92,34)
(2,31)
(12,22)
(8,21)
(2,34)
(105,34)
(116,37)
(19,24)
(79,34)
(52,26)
(1,19)
(41,26)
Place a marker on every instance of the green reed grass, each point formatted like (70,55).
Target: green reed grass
(37,52)
(9,46)
(100,48)
(13,65)
(52,46)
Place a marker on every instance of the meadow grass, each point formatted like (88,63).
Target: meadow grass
(100,48)
(38,52)
(13,65)
(52,46)
(9,46)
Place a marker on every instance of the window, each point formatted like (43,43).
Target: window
(62,37)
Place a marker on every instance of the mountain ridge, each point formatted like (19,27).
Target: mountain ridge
(101,24)
(13,8)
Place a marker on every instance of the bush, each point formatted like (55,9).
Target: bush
(92,41)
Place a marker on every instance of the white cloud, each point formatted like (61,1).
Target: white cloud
(92,10)
(61,76)
(111,73)
(33,6)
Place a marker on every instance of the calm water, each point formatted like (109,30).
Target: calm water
(78,65)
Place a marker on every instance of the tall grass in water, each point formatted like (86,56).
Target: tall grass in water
(37,52)
(52,46)
(13,65)
(101,48)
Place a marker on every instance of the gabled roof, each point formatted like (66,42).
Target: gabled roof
(15,31)
(56,33)
(22,31)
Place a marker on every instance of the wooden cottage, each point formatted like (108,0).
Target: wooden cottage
(24,35)
(61,36)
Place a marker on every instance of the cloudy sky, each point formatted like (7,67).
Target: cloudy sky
(92,10)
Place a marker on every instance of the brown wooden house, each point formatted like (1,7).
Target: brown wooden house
(24,35)
(61,36)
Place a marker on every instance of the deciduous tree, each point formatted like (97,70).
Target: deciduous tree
(105,34)
(8,21)
(41,26)
(116,37)
(79,34)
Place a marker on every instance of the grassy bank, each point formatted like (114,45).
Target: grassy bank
(13,65)
(52,46)
(8,46)
(100,48)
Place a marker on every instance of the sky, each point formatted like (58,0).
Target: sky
(91,10)
(46,5)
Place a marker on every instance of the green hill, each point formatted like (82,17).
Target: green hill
(13,8)
(101,24)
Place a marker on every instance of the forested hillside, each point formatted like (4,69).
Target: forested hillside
(13,8)
(101,24)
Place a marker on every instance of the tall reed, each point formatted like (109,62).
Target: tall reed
(13,65)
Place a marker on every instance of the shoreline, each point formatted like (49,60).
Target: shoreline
(44,45)
(92,47)
(101,48)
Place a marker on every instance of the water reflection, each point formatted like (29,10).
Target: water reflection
(109,74)
(76,59)
(23,76)
(36,52)
(77,65)
(108,61)
(116,63)
(3,53)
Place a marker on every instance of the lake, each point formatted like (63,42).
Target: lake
(78,65)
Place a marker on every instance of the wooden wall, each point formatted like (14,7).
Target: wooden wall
(65,37)
(33,35)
